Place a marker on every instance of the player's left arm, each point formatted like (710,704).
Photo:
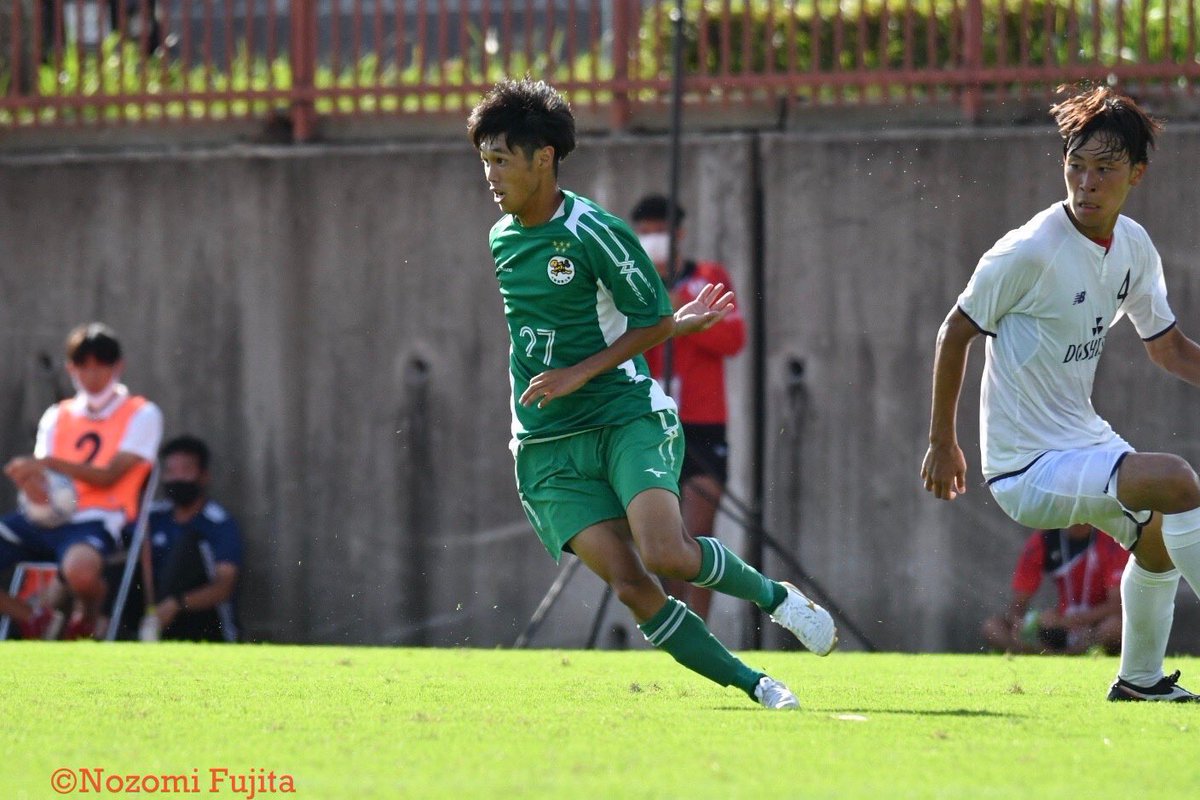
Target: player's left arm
(202,598)
(711,306)
(728,335)
(548,385)
(1177,354)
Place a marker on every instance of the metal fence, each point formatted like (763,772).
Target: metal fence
(172,62)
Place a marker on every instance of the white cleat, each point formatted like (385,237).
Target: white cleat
(773,694)
(807,621)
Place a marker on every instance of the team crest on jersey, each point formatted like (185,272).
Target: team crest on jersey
(561,270)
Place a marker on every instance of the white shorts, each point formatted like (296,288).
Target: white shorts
(1065,487)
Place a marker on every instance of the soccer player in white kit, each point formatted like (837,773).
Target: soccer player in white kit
(1045,296)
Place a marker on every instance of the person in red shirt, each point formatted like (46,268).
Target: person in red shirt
(1086,567)
(697,380)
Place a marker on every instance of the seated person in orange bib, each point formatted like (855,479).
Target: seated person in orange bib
(104,440)
(1086,566)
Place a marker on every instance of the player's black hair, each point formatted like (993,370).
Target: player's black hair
(529,115)
(1126,130)
(94,339)
(653,208)
(190,445)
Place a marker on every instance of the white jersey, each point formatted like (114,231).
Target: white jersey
(1046,295)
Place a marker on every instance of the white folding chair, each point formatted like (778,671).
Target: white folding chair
(137,544)
(139,550)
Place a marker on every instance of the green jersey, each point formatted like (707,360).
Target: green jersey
(571,287)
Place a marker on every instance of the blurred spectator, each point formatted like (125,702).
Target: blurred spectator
(697,380)
(196,552)
(139,21)
(104,440)
(1086,567)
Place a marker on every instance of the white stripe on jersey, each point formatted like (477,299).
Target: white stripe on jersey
(609,242)
(612,325)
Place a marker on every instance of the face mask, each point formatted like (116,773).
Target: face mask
(656,246)
(97,400)
(182,493)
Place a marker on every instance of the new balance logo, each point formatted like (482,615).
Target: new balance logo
(655,472)
(1079,298)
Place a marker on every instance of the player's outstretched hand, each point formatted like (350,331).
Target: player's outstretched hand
(711,306)
(552,383)
(944,471)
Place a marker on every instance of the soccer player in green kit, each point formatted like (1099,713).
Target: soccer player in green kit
(597,442)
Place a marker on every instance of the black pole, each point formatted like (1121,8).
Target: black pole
(676,158)
(539,614)
(758,380)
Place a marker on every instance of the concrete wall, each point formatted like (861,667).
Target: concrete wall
(328,319)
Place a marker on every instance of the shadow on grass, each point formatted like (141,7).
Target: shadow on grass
(934,712)
(912,712)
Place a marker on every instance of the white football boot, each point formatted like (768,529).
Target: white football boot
(807,621)
(773,694)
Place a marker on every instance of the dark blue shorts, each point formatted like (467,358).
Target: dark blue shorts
(707,452)
(48,544)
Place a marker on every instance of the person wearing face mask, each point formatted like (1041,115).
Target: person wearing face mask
(697,379)
(196,552)
(104,439)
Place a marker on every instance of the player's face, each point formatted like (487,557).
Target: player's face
(517,182)
(1099,178)
(93,375)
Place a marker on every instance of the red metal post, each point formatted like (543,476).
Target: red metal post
(621,111)
(972,96)
(304,67)
(15,56)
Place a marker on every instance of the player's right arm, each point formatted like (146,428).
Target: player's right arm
(944,469)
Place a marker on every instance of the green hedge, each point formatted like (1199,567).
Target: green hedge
(790,29)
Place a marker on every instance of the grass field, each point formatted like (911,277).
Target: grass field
(398,723)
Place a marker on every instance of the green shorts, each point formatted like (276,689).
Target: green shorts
(571,483)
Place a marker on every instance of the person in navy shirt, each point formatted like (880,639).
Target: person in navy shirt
(196,550)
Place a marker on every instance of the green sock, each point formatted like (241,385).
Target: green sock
(687,639)
(724,572)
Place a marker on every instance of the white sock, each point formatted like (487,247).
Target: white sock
(1181,535)
(1147,610)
